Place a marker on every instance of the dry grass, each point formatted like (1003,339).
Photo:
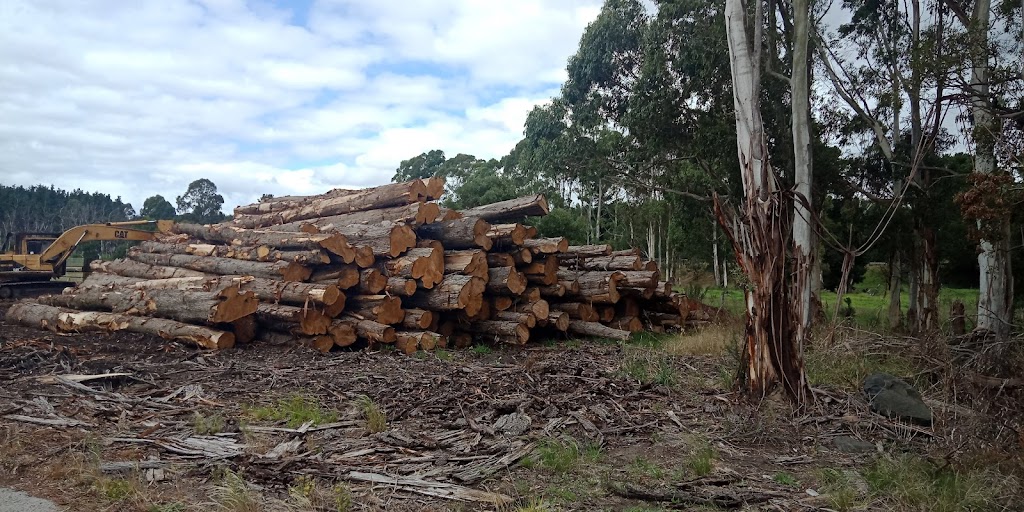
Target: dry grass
(713,340)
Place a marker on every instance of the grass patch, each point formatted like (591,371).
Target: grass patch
(116,490)
(294,411)
(376,420)
(562,456)
(642,467)
(482,350)
(713,340)
(702,460)
(786,479)
(911,483)
(207,425)
(842,367)
(648,367)
(841,493)
(443,354)
(167,507)
(232,493)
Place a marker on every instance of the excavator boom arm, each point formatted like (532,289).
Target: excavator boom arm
(65,244)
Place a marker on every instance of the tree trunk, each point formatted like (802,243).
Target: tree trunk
(226,266)
(546,245)
(413,214)
(190,306)
(379,308)
(465,233)
(511,210)
(472,262)
(384,238)
(422,263)
(247,253)
(506,235)
(505,281)
(894,292)
(267,290)
(335,202)
(455,292)
(804,249)
(231,235)
(54,319)
(758,234)
(597,330)
(282,318)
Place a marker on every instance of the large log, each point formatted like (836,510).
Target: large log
(342,276)
(130,268)
(577,311)
(267,290)
(322,343)
(238,252)
(597,330)
(502,331)
(190,306)
(471,262)
(343,333)
(434,186)
(283,318)
(337,203)
(626,323)
(507,234)
(500,259)
(607,263)
(412,214)
(510,210)
(425,264)
(526,319)
(538,308)
(57,320)
(464,233)
(419,319)
(585,251)
(379,308)
(505,281)
(595,286)
(454,292)
(559,320)
(384,238)
(226,266)
(227,234)
(546,245)
(373,331)
(544,271)
(401,286)
(372,281)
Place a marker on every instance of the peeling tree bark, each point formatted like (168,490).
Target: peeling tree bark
(758,232)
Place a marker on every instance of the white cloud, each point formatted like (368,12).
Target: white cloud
(139,98)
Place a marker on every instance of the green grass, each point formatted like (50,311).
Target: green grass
(870,310)
(644,468)
(376,420)
(911,483)
(648,366)
(562,456)
(294,411)
(702,460)
(482,350)
(847,369)
(841,492)
(207,425)
(786,479)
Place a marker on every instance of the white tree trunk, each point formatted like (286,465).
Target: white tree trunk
(803,234)
(714,252)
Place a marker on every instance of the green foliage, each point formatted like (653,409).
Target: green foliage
(786,479)
(201,203)
(51,210)
(157,208)
(701,460)
(294,411)
(207,425)
(562,456)
(911,483)
(233,494)
(482,350)
(376,420)
(840,491)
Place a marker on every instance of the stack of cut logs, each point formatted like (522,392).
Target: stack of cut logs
(385,265)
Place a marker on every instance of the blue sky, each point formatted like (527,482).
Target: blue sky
(286,97)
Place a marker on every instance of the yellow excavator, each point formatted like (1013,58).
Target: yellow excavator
(30,262)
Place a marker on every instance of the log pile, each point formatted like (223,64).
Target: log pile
(355,268)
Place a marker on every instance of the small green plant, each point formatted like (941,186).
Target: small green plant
(294,411)
(702,460)
(482,350)
(562,456)
(342,497)
(443,354)
(841,493)
(116,489)
(643,467)
(376,420)
(302,488)
(786,479)
(232,493)
(167,507)
(207,425)
(912,483)
(536,505)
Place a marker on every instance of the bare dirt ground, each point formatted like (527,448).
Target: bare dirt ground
(572,425)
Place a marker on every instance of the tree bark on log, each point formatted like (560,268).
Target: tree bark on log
(577,311)
(413,214)
(595,286)
(247,253)
(322,343)
(607,263)
(56,320)
(343,333)
(401,287)
(538,308)
(130,268)
(419,319)
(526,319)
(464,233)
(544,268)
(384,238)
(454,292)
(559,320)
(510,210)
(597,330)
(546,245)
(585,251)
(425,264)
(227,234)
(372,331)
(556,290)
(282,318)
(505,235)
(372,281)
(392,194)
(501,302)
(470,262)
(190,306)
(267,290)
(342,276)
(225,266)
(505,281)
(379,308)
(512,330)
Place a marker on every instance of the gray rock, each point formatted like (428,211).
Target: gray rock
(849,444)
(17,501)
(513,424)
(892,397)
